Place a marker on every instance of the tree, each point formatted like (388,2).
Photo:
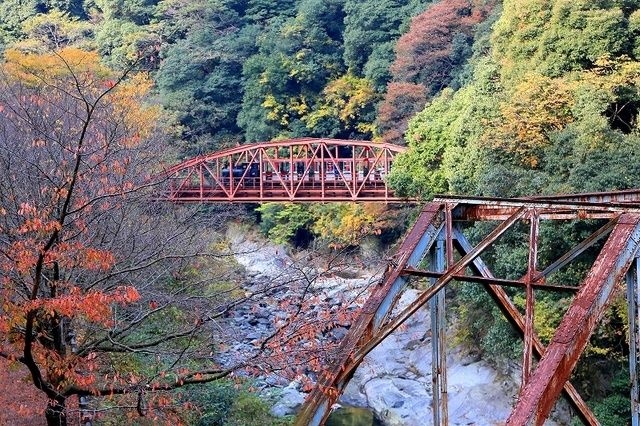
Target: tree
(105,292)
(55,30)
(428,58)
(260,12)
(139,12)
(200,78)
(370,24)
(12,14)
(296,58)
(401,102)
(346,109)
(555,37)
(435,43)
(84,257)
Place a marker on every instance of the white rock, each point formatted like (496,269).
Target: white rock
(288,403)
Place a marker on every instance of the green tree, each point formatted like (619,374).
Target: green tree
(260,12)
(12,14)
(346,109)
(199,79)
(138,12)
(556,36)
(282,223)
(296,58)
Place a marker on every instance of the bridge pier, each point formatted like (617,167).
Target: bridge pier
(633,301)
(439,403)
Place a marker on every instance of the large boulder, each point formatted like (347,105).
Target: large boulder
(289,401)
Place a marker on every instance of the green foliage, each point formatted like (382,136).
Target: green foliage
(554,37)
(482,326)
(12,14)
(120,41)
(281,222)
(225,403)
(296,58)
(346,109)
(335,225)
(199,79)
(613,411)
(138,12)
(56,30)
(437,139)
(371,28)
(262,11)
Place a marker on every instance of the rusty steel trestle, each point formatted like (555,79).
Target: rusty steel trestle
(438,234)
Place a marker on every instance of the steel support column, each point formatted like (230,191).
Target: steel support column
(513,315)
(634,338)
(330,384)
(438,341)
(545,384)
(527,359)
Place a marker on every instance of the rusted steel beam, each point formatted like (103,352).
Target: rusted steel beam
(439,401)
(377,307)
(542,390)
(633,303)
(631,196)
(483,208)
(513,315)
(493,280)
(576,251)
(527,357)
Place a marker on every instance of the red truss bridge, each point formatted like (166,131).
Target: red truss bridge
(305,169)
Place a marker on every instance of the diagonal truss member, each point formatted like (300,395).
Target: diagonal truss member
(435,235)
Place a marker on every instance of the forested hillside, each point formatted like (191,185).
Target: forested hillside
(522,97)
(240,71)
(548,103)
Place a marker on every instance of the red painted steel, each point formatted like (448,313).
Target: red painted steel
(305,169)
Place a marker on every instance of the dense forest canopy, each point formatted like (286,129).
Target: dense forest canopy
(497,98)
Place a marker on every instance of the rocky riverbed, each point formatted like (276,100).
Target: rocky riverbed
(394,380)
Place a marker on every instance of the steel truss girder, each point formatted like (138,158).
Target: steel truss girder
(285,170)
(554,368)
(373,325)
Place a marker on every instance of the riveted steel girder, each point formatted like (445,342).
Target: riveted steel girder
(552,372)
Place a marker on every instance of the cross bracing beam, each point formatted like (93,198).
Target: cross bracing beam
(509,212)
(544,386)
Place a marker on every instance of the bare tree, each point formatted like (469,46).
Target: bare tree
(104,291)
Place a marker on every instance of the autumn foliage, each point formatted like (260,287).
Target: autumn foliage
(437,44)
(74,158)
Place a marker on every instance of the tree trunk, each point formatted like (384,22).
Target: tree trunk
(56,413)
